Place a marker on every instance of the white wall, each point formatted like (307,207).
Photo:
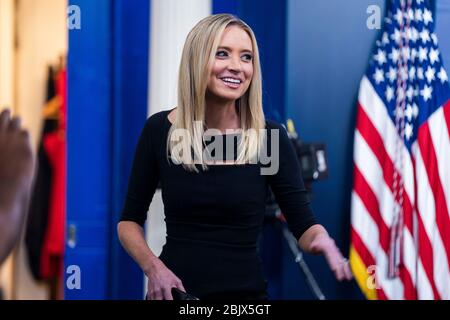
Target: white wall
(171,21)
(42,38)
(6,53)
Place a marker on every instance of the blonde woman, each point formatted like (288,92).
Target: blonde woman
(214,203)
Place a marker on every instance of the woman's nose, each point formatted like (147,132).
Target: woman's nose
(235,65)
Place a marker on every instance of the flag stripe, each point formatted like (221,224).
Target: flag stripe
(381,133)
(376,196)
(374,140)
(424,289)
(425,204)
(441,142)
(437,217)
(409,292)
(370,201)
(409,260)
(431,166)
(376,111)
(364,125)
(373,175)
(368,232)
(446,110)
(365,276)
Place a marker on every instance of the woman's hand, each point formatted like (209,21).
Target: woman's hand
(323,244)
(161,281)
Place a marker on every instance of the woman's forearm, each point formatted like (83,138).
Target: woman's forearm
(132,238)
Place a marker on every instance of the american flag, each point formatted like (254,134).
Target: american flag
(400,223)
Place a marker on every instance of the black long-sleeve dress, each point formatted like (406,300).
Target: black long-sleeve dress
(214,217)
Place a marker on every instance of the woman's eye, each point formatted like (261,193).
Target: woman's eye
(221,54)
(247,57)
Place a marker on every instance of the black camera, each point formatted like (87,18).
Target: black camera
(312,156)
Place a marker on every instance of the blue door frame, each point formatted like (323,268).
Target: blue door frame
(108,81)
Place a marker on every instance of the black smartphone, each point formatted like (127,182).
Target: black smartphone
(177,294)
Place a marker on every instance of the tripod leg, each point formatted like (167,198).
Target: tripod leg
(310,280)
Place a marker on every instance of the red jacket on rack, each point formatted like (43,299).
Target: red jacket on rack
(52,258)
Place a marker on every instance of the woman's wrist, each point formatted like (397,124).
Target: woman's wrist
(151,265)
(321,243)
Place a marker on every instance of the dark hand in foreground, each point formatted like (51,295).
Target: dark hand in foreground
(16,175)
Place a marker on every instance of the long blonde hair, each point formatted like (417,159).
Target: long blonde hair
(196,63)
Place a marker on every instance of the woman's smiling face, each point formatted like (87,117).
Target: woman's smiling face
(232,69)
